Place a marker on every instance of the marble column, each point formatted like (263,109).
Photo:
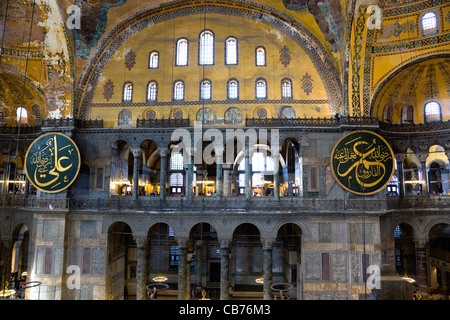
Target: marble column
(137,152)
(6,164)
(276,174)
(182,263)
(267,268)
(188,276)
(444,276)
(190,178)
(141,268)
(421,265)
(247,180)
(219,173)
(226,181)
(423,167)
(198,263)
(401,175)
(163,173)
(225,269)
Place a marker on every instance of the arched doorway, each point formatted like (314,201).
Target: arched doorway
(439,248)
(149,169)
(247,262)
(121,163)
(405,255)
(204,254)
(163,259)
(292,172)
(121,263)
(287,260)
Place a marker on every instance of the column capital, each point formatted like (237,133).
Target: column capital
(422,156)
(267,242)
(400,157)
(182,242)
(225,243)
(421,242)
(136,151)
(141,240)
(163,152)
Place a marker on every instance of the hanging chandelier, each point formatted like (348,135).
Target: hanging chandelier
(260,280)
(410,280)
(160,278)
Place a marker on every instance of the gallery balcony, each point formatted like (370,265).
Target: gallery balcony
(231,205)
(286,205)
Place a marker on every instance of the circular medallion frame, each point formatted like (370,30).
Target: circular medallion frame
(355,176)
(42,155)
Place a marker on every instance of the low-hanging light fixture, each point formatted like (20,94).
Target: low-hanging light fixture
(410,280)
(160,278)
(260,280)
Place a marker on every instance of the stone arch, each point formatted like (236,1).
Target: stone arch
(315,50)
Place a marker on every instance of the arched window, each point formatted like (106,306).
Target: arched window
(387,113)
(261,89)
(128,91)
(125,117)
(182,52)
(231,51)
(178,90)
(153,62)
(432,112)
(260,58)
(2,115)
(233,89)
(176,173)
(429,23)
(205,90)
(407,114)
(286,88)
(152,91)
(22,115)
(206,48)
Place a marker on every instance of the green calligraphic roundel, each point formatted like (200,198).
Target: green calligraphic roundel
(362,162)
(52,162)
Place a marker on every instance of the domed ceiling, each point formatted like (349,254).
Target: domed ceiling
(13,96)
(415,85)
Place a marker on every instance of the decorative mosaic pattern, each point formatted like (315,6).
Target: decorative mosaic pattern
(261,113)
(367,73)
(409,26)
(130,59)
(177,114)
(241,8)
(150,114)
(82,50)
(356,63)
(108,90)
(431,89)
(36,54)
(285,56)
(412,45)
(414,82)
(348,34)
(211,102)
(446,74)
(307,84)
(421,5)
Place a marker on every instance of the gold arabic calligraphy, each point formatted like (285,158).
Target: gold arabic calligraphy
(367,164)
(48,163)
